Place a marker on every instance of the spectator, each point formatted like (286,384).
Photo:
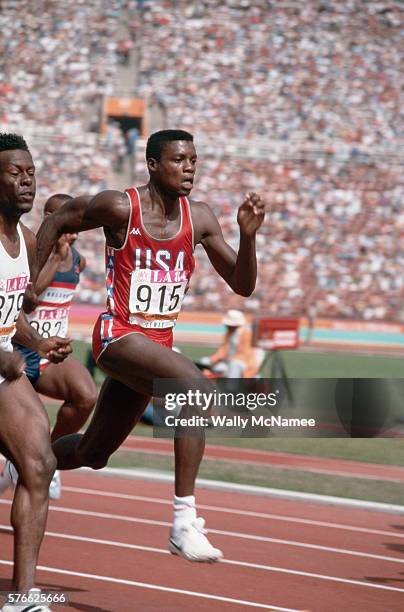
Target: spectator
(236,357)
(300,101)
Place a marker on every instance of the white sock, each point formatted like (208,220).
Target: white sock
(184,510)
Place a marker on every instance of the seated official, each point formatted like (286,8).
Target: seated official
(236,357)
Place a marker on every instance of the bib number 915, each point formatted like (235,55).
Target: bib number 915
(157,292)
(168,298)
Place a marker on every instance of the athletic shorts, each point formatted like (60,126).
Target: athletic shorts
(34,364)
(109,329)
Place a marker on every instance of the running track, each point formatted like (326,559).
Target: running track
(319,465)
(106,547)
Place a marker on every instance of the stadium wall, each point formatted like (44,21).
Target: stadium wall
(205,328)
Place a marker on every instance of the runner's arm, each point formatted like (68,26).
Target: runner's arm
(30,296)
(47,273)
(26,334)
(59,254)
(82,263)
(55,348)
(45,276)
(108,209)
(239,270)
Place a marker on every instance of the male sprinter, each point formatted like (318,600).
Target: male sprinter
(20,408)
(69,381)
(150,235)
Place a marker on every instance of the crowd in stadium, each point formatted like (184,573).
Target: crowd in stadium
(291,72)
(54,63)
(324,70)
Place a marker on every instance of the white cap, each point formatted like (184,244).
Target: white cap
(234,318)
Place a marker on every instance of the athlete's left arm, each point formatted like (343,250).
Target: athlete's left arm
(46,275)
(39,281)
(239,270)
(55,349)
(82,263)
(30,297)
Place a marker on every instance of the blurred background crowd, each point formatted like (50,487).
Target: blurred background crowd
(299,101)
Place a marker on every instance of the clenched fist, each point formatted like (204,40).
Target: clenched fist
(251,214)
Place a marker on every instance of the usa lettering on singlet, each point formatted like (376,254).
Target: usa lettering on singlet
(148,277)
(14,278)
(50,317)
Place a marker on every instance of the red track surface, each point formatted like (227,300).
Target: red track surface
(278,554)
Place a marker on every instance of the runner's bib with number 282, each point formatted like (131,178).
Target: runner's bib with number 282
(148,277)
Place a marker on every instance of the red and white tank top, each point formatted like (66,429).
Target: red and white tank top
(147,278)
(14,278)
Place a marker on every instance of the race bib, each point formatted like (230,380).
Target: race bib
(11,297)
(50,322)
(156,297)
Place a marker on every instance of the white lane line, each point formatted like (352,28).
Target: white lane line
(78,538)
(157,587)
(234,534)
(265,515)
(232,487)
(259,566)
(284,570)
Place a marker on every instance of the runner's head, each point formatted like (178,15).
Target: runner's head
(233,319)
(17,176)
(52,204)
(171,161)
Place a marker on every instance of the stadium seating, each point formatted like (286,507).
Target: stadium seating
(298,101)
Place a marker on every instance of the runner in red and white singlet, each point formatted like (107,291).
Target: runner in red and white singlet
(146,280)
(150,237)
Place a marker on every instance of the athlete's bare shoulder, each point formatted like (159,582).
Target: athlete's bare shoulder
(203,219)
(114,209)
(115,203)
(31,246)
(29,237)
(108,209)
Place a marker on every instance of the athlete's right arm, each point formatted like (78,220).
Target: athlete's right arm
(108,209)
(46,275)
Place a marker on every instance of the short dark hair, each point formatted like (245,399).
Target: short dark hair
(159,139)
(55,199)
(9,142)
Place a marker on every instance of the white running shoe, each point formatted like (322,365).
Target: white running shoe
(55,487)
(8,477)
(190,542)
(28,607)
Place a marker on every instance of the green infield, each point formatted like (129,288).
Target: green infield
(388,451)
(302,364)
(274,477)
